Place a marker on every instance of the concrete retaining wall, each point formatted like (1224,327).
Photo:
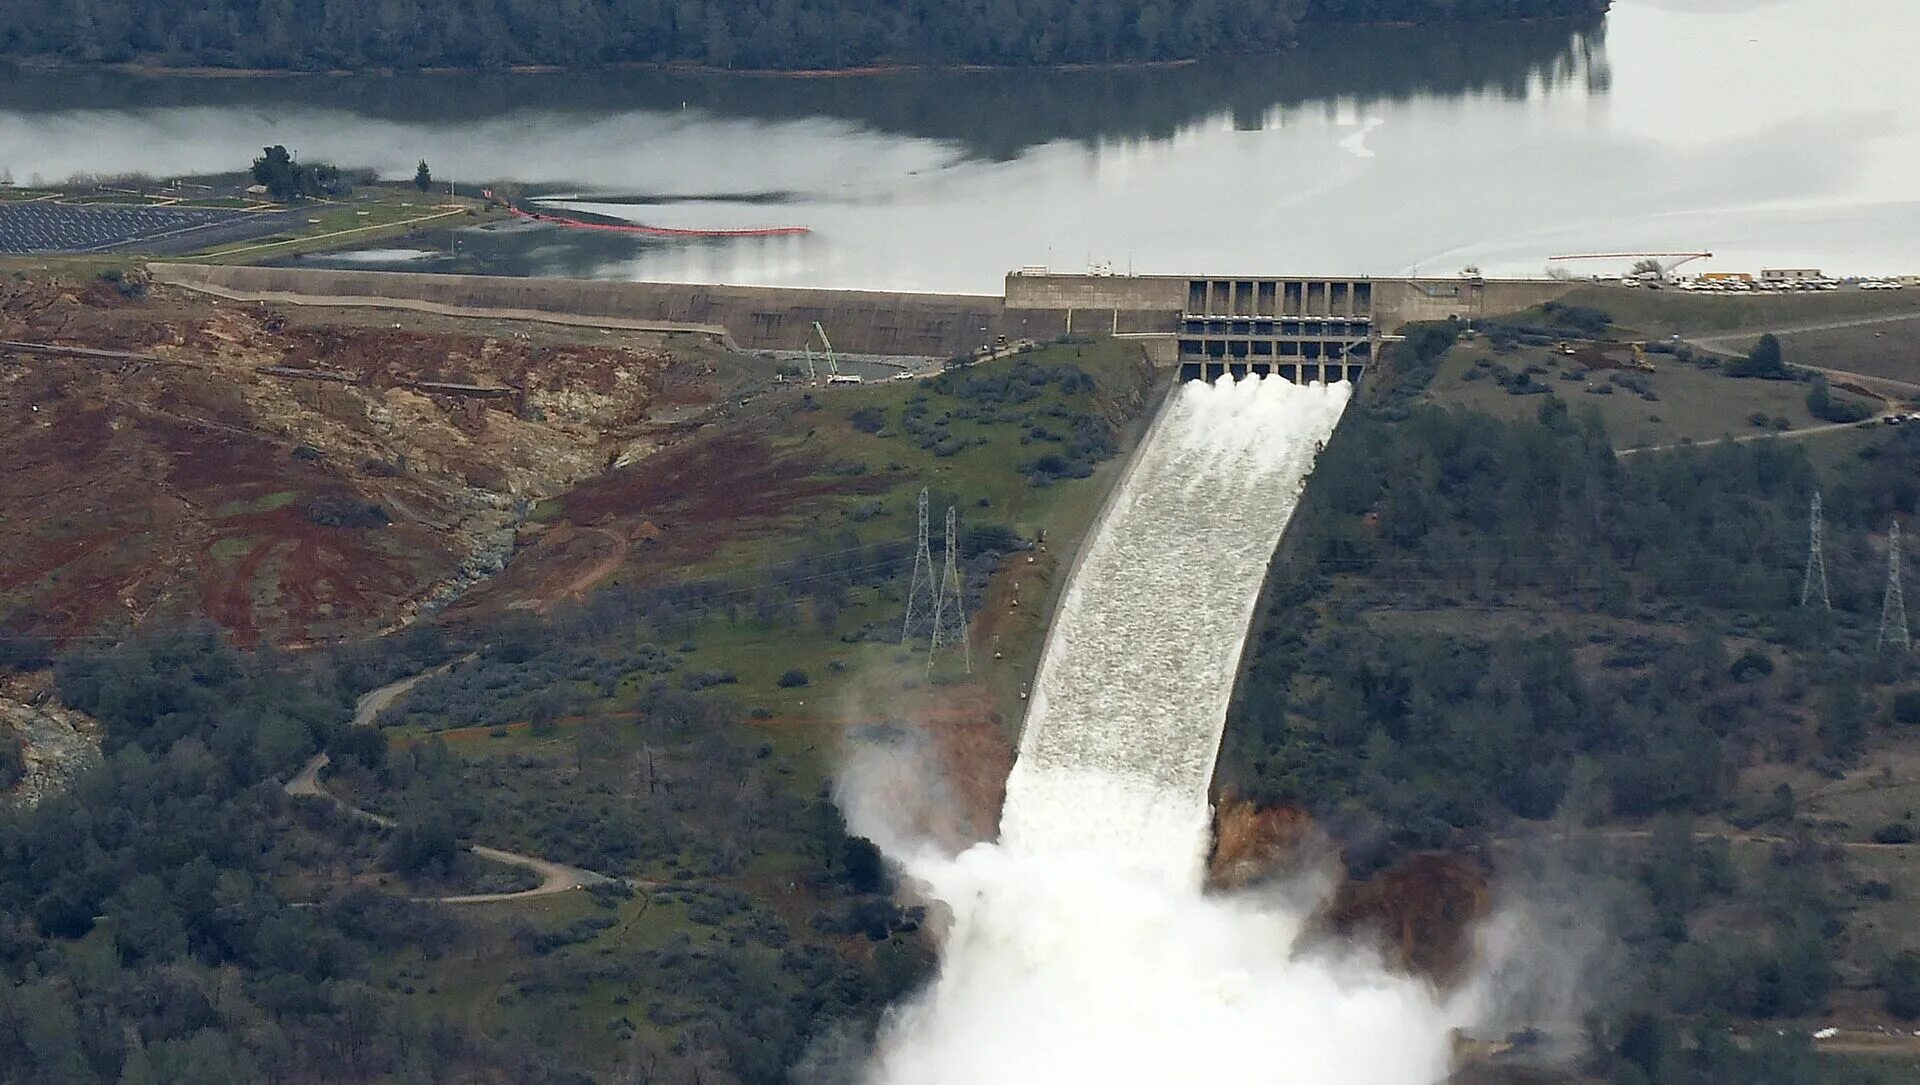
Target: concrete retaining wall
(1397,302)
(1166,293)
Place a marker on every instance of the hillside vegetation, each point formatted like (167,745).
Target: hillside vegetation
(770,34)
(176,917)
(1487,633)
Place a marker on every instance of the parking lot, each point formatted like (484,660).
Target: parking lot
(49,227)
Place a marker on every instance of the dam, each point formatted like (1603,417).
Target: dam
(1303,329)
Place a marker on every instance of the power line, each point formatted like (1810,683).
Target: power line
(919,615)
(1893,607)
(949,605)
(1816,560)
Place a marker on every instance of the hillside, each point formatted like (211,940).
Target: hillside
(761,34)
(1502,658)
(290,475)
(658,690)
(1493,634)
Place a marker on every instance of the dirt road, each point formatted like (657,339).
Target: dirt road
(1713,342)
(554,877)
(1765,435)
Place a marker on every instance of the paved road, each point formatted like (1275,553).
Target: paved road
(554,877)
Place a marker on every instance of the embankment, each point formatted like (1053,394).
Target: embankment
(751,318)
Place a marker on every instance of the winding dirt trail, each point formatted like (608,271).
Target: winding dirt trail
(554,877)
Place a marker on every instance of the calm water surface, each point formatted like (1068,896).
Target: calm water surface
(1772,132)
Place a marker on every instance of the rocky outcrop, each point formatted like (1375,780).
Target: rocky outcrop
(56,744)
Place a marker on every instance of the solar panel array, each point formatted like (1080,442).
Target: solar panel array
(46,227)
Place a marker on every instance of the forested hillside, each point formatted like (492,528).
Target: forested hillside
(770,34)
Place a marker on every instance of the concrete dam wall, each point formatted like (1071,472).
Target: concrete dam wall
(1300,328)
(751,318)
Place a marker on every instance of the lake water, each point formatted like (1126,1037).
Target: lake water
(1771,132)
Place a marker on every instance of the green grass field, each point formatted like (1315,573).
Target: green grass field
(1694,403)
(1660,313)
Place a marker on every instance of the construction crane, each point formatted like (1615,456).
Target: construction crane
(833,361)
(1666,269)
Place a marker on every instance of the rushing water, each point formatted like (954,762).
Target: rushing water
(1773,132)
(1131,697)
(1081,949)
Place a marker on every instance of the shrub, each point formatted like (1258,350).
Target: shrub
(1906,706)
(1751,665)
(1822,405)
(793,679)
(1894,832)
(345,511)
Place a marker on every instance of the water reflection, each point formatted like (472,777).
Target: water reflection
(1771,134)
(989,114)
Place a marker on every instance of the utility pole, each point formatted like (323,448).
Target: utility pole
(922,583)
(1814,586)
(1893,608)
(949,606)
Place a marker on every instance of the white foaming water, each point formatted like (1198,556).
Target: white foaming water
(1081,948)
(1131,698)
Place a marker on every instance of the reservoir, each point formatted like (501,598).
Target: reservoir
(1772,133)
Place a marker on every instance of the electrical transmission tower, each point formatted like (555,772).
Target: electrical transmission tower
(949,606)
(1815,584)
(1893,609)
(921,613)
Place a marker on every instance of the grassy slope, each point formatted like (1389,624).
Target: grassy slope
(1659,313)
(1694,404)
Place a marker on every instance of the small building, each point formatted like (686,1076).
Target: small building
(1785,274)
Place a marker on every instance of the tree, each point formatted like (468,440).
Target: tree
(1900,976)
(423,177)
(427,845)
(1648,266)
(13,764)
(1822,405)
(862,866)
(1764,361)
(288,179)
(276,170)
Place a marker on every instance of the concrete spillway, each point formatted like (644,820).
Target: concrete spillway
(1080,949)
(1131,699)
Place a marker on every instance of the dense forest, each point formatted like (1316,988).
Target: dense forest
(1694,560)
(162,922)
(754,34)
